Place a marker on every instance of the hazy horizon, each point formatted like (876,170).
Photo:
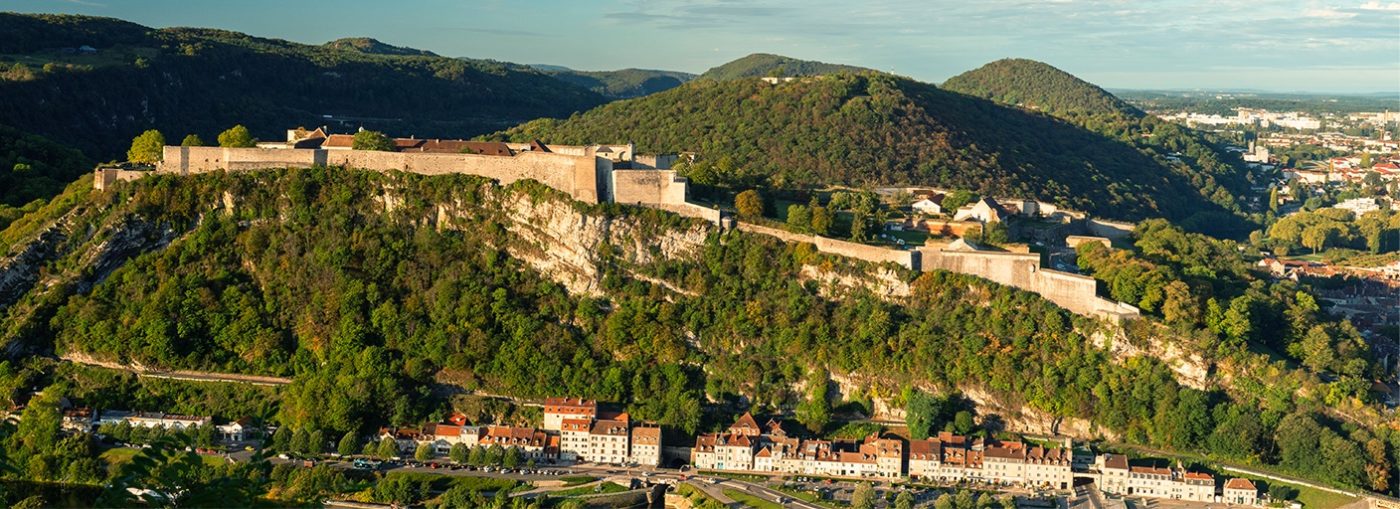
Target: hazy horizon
(1285,47)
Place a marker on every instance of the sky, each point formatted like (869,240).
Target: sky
(1350,46)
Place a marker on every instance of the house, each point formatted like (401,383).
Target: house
(236,431)
(985,210)
(1240,491)
(573,439)
(152,419)
(79,419)
(952,458)
(442,437)
(608,442)
(532,443)
(646,446)
(1358,206)
(1117,476)
(931,205)
(558,409)
(406,439)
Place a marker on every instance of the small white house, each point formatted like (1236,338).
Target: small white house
(927,206)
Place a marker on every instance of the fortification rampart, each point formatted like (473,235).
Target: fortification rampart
(1074,292)
(875,254)
(581,176)
(108,176)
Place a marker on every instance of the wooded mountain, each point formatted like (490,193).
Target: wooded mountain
(759,65)
(368,289)
(33,169)
(375,47)
(1038,86)
(872,128)
(191,80)
(620,84)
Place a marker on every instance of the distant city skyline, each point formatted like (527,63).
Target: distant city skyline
(1282,46)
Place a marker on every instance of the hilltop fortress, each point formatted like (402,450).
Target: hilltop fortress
(592,174)
(615,173)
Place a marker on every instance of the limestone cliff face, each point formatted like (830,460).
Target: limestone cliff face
(573,247)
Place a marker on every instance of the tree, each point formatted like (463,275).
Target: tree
(749,204)
(387,448)
(956,199)
(147,147)
(1179,307)
(963,423)
(1273,199)
(821,220)
(282,439)
(863,497)
(458,453)
(904,500)
(372,140)
(236,137)
(299,443)
(921,410)
(861,228)
(799,218)
(192,140)
(477,457)
(316,442)
(495,454)
(815,413)
(511,458)
(424,452)
(346,447)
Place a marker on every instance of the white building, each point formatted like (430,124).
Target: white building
(927,206)
(1241,492)
(608,442)
(558,409)
(1358,206)
(646,446)
(152,419)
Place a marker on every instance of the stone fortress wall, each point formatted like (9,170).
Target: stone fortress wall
(1074,292)
(589,174)
(577,175)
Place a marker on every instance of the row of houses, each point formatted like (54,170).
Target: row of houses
(574,431)
(87,420)
(948,458)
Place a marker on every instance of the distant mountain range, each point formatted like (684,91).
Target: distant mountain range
(759,65)
(192,80)
(621,84)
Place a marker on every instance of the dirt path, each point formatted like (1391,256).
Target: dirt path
(189,376)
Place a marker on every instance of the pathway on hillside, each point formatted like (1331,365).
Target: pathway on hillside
(189,376)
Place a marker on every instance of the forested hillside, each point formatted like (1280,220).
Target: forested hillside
(621,84)
(869,129)
(33,169)
(759,65)
(370,289)
(1040,87)
(202,81)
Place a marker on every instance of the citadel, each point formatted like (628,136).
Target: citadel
(615,173)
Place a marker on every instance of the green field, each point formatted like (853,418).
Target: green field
(122,455)
(750,500)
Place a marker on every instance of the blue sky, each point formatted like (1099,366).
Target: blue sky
(1281,45)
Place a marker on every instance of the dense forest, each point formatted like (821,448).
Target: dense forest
(33,169)
(307,275)
(200,81)
(869,129)
(621,84)
(1040,87)
(759,65)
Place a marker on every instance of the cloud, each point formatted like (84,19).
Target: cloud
(1327,13)
(1375,5)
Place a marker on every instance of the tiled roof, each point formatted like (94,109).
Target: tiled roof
(1238,483)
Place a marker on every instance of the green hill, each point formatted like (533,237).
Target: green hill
(191,80)
(1040,87)
(871,128)
(759,65)
(379,313)
(373,46)
(32,169)
(621,84)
